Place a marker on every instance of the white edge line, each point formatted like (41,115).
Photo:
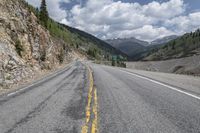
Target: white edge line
(43,79)
(20,90)
(168,86)
(13,93)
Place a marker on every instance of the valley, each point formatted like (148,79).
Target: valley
(137,49)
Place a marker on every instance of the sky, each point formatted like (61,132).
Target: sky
(143,19)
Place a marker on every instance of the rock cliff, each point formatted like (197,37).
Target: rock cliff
(26,47)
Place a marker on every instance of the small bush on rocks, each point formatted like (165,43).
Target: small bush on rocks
(19,48)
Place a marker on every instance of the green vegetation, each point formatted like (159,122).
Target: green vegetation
(43,15)
(61,56)
(19,48)
(43,56)
(8,77)
(118,61)
(92,52)
(184,46)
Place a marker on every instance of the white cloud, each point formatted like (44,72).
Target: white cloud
(147,31)
(108,19)
(183,24)
(164,10)
(53,7)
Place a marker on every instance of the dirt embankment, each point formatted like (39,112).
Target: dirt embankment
(189,66)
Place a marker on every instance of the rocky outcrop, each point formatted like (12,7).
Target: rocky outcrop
(25,46)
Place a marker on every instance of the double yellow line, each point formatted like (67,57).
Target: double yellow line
(91,108)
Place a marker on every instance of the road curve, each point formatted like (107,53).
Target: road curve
(94,98)
(131,104)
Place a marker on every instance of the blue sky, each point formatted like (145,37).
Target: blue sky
(143,19)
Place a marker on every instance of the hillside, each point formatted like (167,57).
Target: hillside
(184,46)
(89,42)
(137,49)
(27,49)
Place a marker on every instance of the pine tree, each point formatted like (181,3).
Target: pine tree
(44,13)
(173,45)
(37,13)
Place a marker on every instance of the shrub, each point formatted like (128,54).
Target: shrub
(19,48)
(113,63)
(43,56)
(61,56)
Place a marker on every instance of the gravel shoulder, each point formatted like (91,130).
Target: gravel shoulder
(38,76)
(187,66)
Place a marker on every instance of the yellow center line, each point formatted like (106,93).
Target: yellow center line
(85,127)
(94,122)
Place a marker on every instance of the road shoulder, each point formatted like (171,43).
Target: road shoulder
(188,83)
(36,80)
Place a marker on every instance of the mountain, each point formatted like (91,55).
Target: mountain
(184,46)
(28,48)
(129,46)
(89,41)
(163,40)
(135,48)
(120,41)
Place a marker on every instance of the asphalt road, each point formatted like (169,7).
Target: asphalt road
(129,103)
(100,99)
(56,104)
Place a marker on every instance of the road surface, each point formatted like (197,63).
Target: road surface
(86,97)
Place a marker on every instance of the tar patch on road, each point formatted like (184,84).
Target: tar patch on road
(75,111)
(77,105)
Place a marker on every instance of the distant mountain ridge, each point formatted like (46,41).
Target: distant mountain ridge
(129,46)
(132,39)
(136,48)
(163,40)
